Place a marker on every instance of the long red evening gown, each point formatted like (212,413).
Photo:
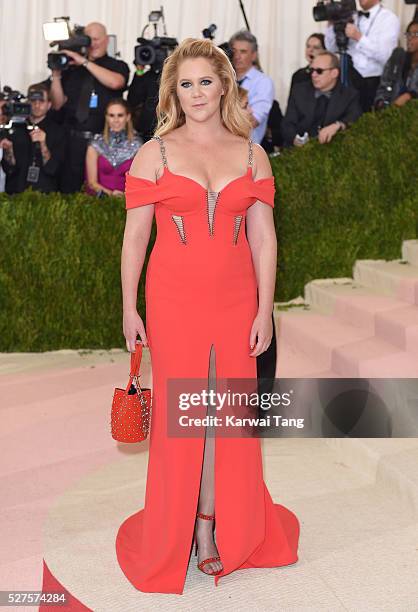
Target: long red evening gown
(201,291)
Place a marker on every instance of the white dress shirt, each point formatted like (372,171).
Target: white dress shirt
(260,89)
(380,37)
(2,174)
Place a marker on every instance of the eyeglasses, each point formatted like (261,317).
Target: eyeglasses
(318,70)
(411,34)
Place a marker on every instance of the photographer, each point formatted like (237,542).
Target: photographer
(143,98)
(83,92)
(399,82)
(35,151)
(322,107)
(372,38)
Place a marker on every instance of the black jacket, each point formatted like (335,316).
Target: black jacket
(344,105)
(143,99)
(26,154)
(397,78)
(300,76)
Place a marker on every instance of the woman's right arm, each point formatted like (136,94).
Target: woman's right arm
(135,241)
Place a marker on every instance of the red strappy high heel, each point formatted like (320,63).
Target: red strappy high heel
(207,517)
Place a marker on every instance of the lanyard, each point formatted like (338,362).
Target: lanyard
(371,23)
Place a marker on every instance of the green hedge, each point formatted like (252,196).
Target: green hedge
(356,198)
(60,255)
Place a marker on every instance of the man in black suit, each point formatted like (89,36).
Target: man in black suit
(322,106)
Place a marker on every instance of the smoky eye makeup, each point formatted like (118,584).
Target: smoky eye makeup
(207,79)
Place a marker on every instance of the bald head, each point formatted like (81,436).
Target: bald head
(99,39)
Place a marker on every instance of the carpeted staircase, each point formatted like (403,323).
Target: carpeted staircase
(365,326)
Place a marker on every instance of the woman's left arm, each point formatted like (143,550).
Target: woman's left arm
(261,235)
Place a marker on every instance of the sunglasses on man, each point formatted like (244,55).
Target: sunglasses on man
(318,70)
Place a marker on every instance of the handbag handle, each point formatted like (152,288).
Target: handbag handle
(135,363)
(136,359)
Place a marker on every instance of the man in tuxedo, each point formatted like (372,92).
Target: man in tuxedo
(322,106)
(371,39)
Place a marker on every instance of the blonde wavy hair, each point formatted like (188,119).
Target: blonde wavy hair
(169,112)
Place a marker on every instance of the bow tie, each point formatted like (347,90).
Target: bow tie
(363,14)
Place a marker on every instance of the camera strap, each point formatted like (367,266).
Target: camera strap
(34,169)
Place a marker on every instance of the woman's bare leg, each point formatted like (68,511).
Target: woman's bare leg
(204,528)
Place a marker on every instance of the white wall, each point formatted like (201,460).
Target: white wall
(281,27)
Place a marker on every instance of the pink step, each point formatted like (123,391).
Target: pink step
(400,327)
(317,335)
(381,315)
(292,363)
(349,302)
(410,251)
(374,358)
(396,278)
(343,349)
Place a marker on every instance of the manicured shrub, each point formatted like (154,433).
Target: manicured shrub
(60,255)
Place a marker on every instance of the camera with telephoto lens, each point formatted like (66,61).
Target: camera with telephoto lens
(209,32)
(17,110)
(340,12)
(152,52)
(78,41)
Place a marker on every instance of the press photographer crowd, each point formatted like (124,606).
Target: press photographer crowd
(81,127)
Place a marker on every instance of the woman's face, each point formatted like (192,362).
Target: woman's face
(313,47)
(117,117)
(199,89)
(412,41)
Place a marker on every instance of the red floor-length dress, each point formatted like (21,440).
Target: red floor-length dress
(201,291)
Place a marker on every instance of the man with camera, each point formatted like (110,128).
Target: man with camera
(320,107)
(82,92)
(143,99)
(372,35)
(34,152)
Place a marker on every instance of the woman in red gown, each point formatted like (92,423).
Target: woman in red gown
(209,294)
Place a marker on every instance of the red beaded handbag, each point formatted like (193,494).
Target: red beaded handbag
(131,407)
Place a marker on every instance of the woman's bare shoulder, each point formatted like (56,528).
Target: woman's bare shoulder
(147,161)
(262,166)
(174,135)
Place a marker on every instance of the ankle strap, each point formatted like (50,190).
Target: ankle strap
(207,517)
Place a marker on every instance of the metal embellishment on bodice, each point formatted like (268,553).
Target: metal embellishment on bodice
(212,199)
(178,220)
(237,225)
(118,149)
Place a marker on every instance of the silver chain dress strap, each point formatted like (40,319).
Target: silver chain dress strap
(250,153)
(162,149)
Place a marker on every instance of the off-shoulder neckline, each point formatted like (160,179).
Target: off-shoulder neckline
(206,189)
